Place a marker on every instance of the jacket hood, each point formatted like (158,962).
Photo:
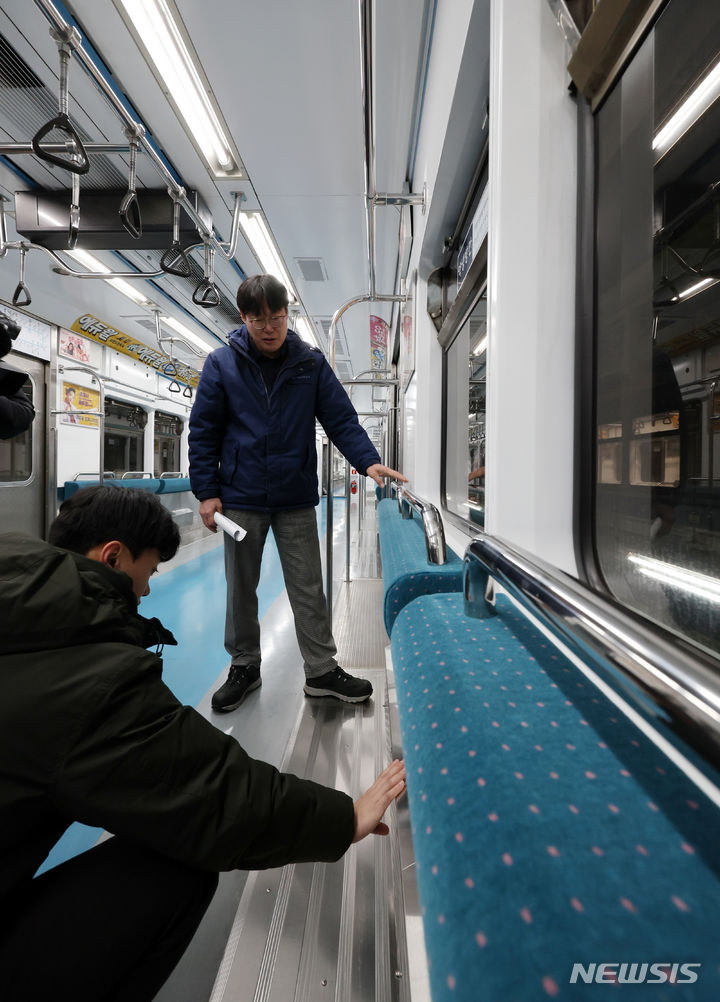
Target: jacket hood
(52,598)
(297,348)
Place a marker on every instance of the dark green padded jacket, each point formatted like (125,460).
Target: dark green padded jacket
(89,732)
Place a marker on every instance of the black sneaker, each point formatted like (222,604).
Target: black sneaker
(242,679)
(339,684)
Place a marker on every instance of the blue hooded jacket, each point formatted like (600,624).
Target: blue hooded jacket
(254,448)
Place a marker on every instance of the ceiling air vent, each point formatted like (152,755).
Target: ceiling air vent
(340,341)
(312,269)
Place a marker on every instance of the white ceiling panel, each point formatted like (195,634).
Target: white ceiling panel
(286,77)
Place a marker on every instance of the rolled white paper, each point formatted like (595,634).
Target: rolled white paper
(231,528)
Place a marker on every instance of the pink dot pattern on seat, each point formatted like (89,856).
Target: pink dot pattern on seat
(533,805)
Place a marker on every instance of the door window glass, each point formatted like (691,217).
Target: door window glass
(657,430)
(16,454)
(465,418)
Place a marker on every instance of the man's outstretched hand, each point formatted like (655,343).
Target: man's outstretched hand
(370,808)
(378,472)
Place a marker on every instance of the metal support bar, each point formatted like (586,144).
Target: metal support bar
(401,199)
(20,149)
(347,521)
(682,683)
(331,449)
(432,523)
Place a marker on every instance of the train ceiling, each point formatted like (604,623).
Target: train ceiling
(286,79)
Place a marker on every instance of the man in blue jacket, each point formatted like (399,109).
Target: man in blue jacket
(253,458)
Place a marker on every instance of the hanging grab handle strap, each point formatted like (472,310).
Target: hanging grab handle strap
(206,294)
(77,159)
(74,229)
(129,207)
(174,261)
(21,296)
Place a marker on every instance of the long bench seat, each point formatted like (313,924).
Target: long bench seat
(406,570)
(155,485)
(549,830)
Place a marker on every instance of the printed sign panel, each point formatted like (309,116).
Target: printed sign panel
(35,335)
(473,238)
(379,331)
(79,348)
(103,333)
(79,398)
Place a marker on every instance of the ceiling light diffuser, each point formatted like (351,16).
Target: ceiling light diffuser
(263,247)
(161,37)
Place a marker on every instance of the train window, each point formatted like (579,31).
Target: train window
(465,417)
(168,430)
(124,436)
(657,247)
(16,454)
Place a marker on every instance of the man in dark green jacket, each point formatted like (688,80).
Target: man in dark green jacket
(90,733)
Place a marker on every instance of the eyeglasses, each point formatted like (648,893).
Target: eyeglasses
(260,325)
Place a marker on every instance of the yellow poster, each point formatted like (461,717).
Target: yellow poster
(103,333)
(79,398)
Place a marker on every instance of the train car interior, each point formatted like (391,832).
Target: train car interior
(499,222)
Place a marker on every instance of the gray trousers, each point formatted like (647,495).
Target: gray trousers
(297,541)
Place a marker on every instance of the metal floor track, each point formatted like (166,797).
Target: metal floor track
(327,931)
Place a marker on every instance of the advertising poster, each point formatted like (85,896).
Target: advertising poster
(379,332)
(73,346)
(407,338)
(96,330)
(79,398)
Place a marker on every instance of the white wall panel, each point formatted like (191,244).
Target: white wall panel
(532,284)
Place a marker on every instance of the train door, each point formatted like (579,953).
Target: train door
(23,465)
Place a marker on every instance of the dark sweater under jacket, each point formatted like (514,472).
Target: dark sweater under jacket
(89,732)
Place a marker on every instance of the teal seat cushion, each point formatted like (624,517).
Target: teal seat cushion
(406,570)
(549,829)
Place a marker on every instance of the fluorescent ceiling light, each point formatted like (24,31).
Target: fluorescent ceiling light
(91,263)
(263,247)
(186,333)
(481,347)
(696,287)
(305,329)
(689,111)
(678,577)
(156,27)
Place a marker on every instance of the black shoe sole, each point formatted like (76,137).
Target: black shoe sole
(310,691)
(233,706)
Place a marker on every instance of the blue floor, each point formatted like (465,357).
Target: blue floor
(190,601)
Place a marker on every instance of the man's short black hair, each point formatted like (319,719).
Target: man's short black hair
(258,290)
(95,515)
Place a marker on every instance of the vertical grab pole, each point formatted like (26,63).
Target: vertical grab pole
(101,430)
(329,531)
(329,535)
(348,497)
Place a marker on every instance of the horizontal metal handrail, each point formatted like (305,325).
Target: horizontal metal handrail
(682,684)
(431,519)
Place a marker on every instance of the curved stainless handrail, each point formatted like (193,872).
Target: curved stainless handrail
(682,683)
(432,522)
